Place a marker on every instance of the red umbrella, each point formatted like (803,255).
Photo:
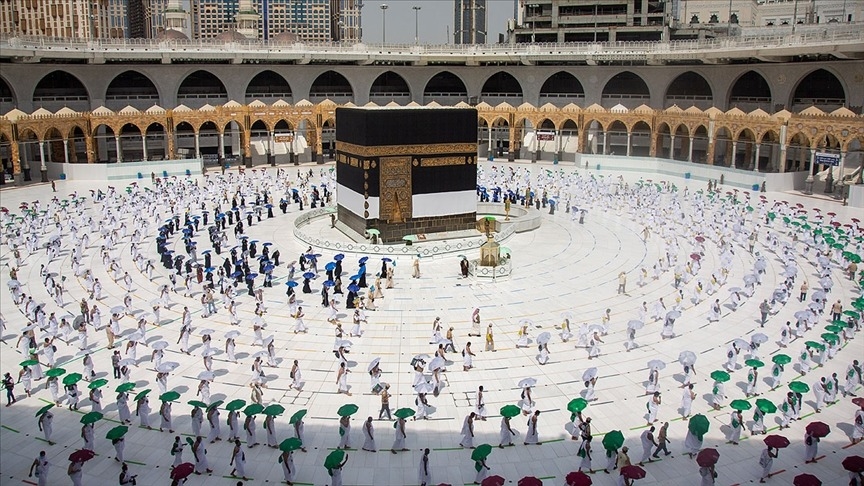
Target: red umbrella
(182,471)
(707,457)
(700,239)
(529,481)
(856,220)
(578,478)
(806,480)
(858,401)
(695,256)
(800,205)
(853,464)
(818,429)
(835,224)
(776,441)
(493,481)
(832,214)
(82,455)
(632,472)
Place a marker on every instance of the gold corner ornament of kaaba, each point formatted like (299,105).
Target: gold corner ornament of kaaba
(416,149)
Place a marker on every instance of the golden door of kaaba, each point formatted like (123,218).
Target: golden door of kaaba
(395,199)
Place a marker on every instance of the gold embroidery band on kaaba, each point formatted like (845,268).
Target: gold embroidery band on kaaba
(395,150)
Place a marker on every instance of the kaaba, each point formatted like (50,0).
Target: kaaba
(406,171)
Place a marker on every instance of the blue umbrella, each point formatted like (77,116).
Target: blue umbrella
(220,215)
(363,260)
(169,220)
(205,252)
(209,269)
(291,283)
(169,251)
(295,191)
(328,283)
(238,262)
(254,241)
(269,268)
(244,237)
(309,275)
(267,244)
(236,274)
(339,257)
(251,276)
(330,266)
(354,288)
(268,206)
(385,259)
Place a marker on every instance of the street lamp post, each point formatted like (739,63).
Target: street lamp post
(416,23)
(384,8)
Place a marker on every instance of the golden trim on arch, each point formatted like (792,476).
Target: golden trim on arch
(396,150)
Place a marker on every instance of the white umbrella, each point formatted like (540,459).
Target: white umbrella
(673,314)
(656,364)
(29,327)
(345,343)
(568,315)
(589,374)
(687,358)
(749,279)
(759,338)
(232,334)
(735,289)
(13,284)
(526,322)
(118,309)
(437,363)
(635,325)
(818,295)
(261,354)
(158,345)
(136,336)
(814,306)
(423,357)
(801,315)
(424,387)
(210,352)
(740,343)
(544,338)
(206,375)
(373,364)
(598,328)
(167,367)
(127,362)
(269,339)
(257,321)
(155,303)
(205,332)
(527,382)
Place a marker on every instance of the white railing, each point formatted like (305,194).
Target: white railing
(781,38)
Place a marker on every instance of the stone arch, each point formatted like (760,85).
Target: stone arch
(184,140)
(749,92)
(768,151)
(501,87)
(561,89)
(8,98)
(77,142)
(105,144)
(333,86)
(268,86)
(131,143)
(640,139)
(820,88)
(54,145)
(797,152)
(680,146)
(60,88)
(689,88)
(744,147)
(389,86)
(445,88)
(202,87)
(699,145)
(663,137)
(131,88)
(625,88)
(156,140)
(208,138)
(723,147)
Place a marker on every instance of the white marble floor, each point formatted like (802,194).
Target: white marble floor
(561,267)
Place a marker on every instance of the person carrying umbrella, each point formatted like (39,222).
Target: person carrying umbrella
(399,425)
(532,436)
(40,468)
(334,464)
(238,460)
(766,460)
(425,472)
(75,472)
(811,447)
(177,451)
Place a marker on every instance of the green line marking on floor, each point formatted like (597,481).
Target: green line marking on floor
(10,428)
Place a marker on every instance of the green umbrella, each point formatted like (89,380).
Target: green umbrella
(838,246)
(55,372)
(765,406)
(830,337)
(197,403)
(91,417)
(142,394)
(796,223)
(858,305)
(347,410)
(815,345)
(834,329)
(169,396)
(274,409)
(290,444)
(754,363)
(117,432)
(254,409)
(298,416)
(613,440)
(30,362)
(698,425)
(740,405)
(852,314)
(334,459)
(799,387)
(481,452)
(750,208)
(404,413)
(72,378)
(806,226)
(781,359)
(94,384)
(577,405)
(510,411)
(235,405)
(45,409)
(720,376)
(125,387)
(373,231)
(772,215)
(786,219)
(214,405)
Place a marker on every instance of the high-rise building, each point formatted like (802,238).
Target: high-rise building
(86,19)
(469,21)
